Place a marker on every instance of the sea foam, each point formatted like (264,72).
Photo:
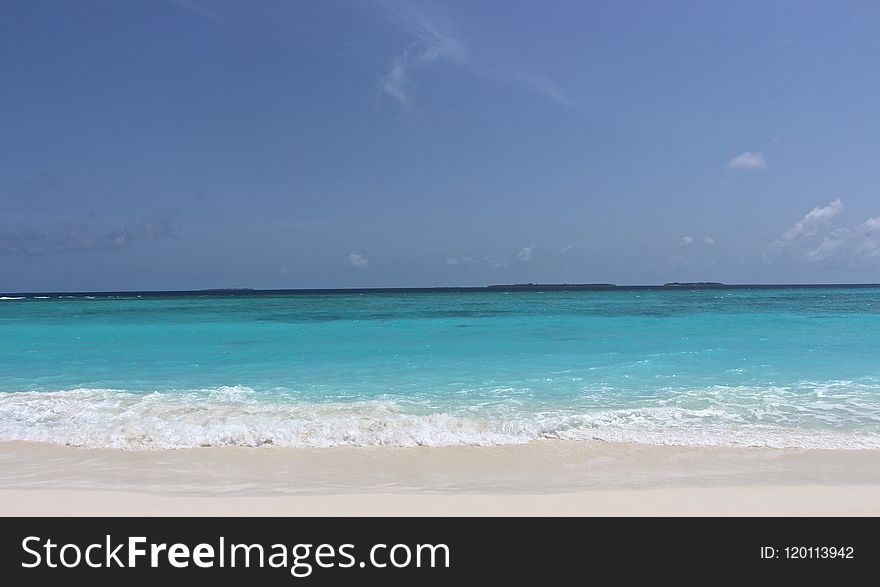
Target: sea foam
(241,416)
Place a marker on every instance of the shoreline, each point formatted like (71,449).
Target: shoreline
(538,478)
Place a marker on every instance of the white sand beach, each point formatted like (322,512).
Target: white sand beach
(555,478)
(794,500)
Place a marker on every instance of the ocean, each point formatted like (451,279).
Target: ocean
(770,367)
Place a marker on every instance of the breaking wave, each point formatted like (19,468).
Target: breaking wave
(829,415)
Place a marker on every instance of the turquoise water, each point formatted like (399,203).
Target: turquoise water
(764,367)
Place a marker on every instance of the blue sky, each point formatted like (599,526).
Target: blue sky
(170,144)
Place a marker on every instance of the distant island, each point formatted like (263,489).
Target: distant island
(597,286)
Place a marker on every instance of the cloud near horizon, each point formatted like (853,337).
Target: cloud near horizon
(810,224)
(461,261)
(356,260)
(490,261)
(847,244)
(77,236)
(861,242)
(525,255)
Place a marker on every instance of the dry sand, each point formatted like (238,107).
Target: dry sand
(540,478)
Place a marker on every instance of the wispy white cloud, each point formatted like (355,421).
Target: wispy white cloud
(525,255)
(460,261)
(495,263)
(434,36)
(357,260)
(809,225)
(748,160)
(433,40)
(566,249)
(689,241)
(490,261)
(394,83)
(538,84)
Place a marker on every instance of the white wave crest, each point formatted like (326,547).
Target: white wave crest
(238,415)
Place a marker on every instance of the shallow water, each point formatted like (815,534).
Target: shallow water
(786,367)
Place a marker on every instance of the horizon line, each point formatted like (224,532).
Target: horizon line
(519,287)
